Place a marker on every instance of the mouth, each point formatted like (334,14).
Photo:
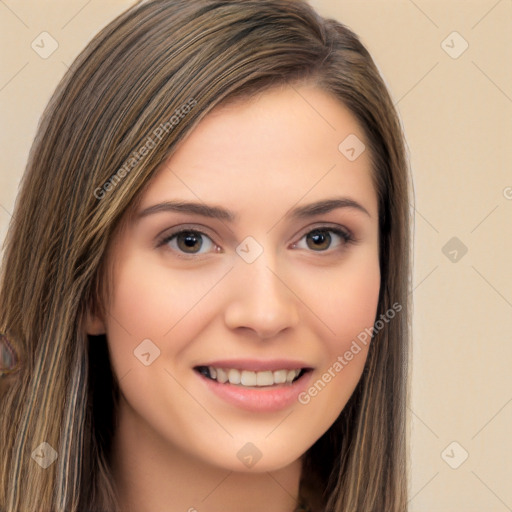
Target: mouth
(255,385)
(252,379)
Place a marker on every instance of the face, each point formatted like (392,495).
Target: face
(266,280)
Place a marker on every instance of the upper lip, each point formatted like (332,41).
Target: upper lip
(258,365)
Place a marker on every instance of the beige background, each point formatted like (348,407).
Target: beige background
(457,115)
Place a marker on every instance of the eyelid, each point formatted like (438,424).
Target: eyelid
(326,226)
(169,232)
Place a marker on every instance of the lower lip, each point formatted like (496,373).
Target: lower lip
(264,399)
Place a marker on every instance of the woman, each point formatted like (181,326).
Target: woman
(204,296)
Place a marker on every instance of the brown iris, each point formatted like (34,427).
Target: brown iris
(189,240)
(321,240)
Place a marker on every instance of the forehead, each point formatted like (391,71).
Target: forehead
(284,146)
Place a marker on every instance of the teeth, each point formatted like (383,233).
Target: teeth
(280,376)
(265,378)
(234,376)
(248,378)
(222,376)
(252,379)
(291,375)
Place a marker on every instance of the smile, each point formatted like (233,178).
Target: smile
(250,379)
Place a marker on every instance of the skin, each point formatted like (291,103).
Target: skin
(176,443)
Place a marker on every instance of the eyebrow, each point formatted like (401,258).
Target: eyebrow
(216,212)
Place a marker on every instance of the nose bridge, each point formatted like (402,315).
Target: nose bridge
(260,300)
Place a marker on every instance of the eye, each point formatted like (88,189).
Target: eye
(189,241)
(192,242)
(321,239)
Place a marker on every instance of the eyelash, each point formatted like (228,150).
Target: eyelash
(345,236)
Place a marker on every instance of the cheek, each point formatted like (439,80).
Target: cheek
(349,304)
(355,306)
(147,301)
(349,310)
(151,302)
(137,311)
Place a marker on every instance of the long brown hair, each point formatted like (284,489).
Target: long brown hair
(172,61)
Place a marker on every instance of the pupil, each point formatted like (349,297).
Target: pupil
(188,241)
(321,239)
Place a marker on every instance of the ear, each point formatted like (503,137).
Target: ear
(94,324)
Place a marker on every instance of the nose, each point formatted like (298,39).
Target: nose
(262,301)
